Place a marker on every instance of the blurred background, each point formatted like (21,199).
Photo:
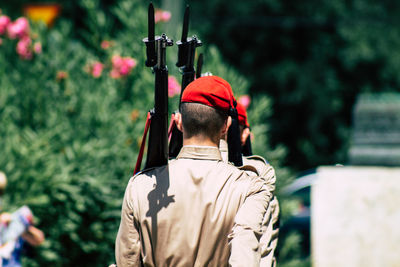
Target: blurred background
(74,93)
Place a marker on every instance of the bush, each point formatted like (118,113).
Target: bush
(71,123)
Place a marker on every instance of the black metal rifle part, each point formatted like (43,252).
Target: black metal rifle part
(186,54)
(157,150)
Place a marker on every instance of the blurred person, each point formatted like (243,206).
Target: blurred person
(16,230)
(270,225)
(197,210)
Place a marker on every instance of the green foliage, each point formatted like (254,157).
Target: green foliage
(311,58)
(69,144)
(70,140)
(290,250)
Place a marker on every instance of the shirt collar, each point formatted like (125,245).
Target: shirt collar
(200,152)
(223,145)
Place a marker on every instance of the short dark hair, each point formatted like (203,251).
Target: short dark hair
(199,119)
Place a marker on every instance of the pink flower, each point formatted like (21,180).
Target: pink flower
(130,62)
(18,28)
(116,61)
(245,100)
(97,69)
(61,75)
(121,66)
(37,47)
(174,88)
(161,16)
(127,65)
(115,74)
(24,48)
(106,44)
(4,21)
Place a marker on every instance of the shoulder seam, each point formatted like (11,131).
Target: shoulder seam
(257,157)
(248,168)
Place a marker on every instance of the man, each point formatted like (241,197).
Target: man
(269,239)
(197,210)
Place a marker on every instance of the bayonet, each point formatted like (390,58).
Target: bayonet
(151,22)
(150,40)
(185,28)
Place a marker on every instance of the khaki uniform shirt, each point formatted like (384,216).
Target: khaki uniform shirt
(196,211)
(263,169)
(270,225)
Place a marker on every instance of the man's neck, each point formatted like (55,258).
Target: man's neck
(196,141)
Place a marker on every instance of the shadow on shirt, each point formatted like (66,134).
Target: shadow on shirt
(158,198)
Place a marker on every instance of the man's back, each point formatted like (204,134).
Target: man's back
(193,212)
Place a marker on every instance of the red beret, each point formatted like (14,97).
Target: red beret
(212,91)
(242,115)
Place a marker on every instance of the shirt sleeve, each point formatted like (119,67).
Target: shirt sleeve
(269,238)
(270,226)
(246,232)
(127,244)
(268,174)
(264,170)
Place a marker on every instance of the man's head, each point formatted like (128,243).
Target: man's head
(202,120)
(205,106)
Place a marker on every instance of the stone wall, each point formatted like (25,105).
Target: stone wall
(355,217)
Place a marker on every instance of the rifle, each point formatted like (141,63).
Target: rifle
(157,150)
(186,52)
(234,145)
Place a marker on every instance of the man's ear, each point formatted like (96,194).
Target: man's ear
(178,121)
(229,122)
(226,125)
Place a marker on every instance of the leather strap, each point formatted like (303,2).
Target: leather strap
(141,151)
(172,125)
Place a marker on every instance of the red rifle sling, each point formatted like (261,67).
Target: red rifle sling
(141,151)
